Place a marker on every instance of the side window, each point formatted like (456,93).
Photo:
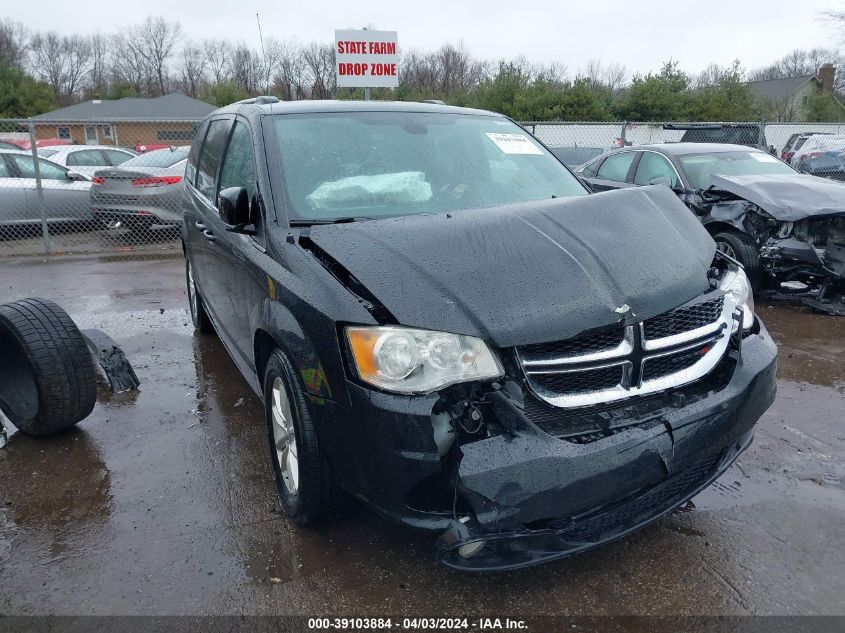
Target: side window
(591,169)
(238,164)
(194,154)
(85,158)
(49,171)
(616,167)
(653,166)
(116,157)
(210,155)
(4,171)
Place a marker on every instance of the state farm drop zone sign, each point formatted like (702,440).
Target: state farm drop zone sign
(366,59)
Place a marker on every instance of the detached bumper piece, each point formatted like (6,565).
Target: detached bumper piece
(463,547)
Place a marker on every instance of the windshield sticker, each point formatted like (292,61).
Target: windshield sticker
(764,158)
(514,143)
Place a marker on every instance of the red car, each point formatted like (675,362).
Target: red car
(24,144)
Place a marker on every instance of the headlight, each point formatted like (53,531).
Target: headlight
(407,360)
(736,285)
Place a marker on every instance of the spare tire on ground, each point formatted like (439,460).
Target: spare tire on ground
(48,381)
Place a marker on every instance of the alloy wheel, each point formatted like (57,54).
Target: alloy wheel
(726,249)
(284,437)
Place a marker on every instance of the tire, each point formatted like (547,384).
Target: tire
(48,381)
(742,249)
(314,495)
(199,316)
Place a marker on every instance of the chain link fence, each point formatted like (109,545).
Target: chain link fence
(91,186)
(115,186)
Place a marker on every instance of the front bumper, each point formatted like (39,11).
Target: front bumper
(532,497)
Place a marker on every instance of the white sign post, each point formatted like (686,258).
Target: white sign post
(366,59)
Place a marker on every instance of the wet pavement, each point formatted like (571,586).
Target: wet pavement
(162,501)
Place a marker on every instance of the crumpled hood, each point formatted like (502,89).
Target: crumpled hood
(787,197)
(531,272)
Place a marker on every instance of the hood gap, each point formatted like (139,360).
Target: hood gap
(376,308)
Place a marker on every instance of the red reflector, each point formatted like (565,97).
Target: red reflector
(156,181)
(704,350)
(96,180)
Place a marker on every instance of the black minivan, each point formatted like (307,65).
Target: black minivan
(444,324)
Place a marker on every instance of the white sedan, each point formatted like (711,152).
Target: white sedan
(86,159)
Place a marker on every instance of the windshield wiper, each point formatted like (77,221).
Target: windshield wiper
(344,220)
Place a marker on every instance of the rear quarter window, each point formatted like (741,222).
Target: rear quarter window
(616,167)
(194,154)
(210,155)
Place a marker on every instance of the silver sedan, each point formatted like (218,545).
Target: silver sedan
(143,191)
(64,193)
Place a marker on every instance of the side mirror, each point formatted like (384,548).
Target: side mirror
(662,180)
(75,176)
(234,207)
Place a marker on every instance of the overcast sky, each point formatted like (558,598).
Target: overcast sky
(639,35)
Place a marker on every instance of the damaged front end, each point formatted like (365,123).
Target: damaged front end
(807,259)
(622,381)
(798,225)
(599,435)
(583,440)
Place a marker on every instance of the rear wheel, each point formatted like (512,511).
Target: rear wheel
(202,323)
(742,249)
(302,475)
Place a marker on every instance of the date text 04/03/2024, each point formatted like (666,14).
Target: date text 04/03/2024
(435,624)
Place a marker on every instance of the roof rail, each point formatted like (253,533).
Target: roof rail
(264,99)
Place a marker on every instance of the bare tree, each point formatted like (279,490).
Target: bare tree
(156,41)
(62,61)
(129,65)
(98,75)
(615,76)
(247,70)
(218,55)
(288,67)
(836,19)
(319,60)
(597,76)
(804,63)
(13,44)
(193,69)
(444,72)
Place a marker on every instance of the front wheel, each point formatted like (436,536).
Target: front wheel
(301,473)
(742,249)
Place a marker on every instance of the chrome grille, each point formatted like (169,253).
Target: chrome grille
(588,343)
(683,319)
(663,352)
(661,366)
(593,379)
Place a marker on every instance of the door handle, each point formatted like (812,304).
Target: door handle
(199,225)
(209,236)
